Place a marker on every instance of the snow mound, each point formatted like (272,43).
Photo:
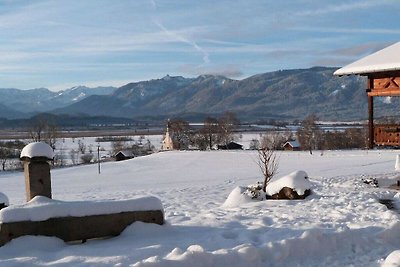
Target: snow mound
(237,197)
(37,149)
(4,199)
(297,180)
(393,260)
(41,208)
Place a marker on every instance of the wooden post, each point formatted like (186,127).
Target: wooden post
(370,122)
(98,157)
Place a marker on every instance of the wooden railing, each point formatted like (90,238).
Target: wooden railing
(387,135)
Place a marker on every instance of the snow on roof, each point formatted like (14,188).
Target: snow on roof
(3,199)
(297,180)
(37,149)
(292,143)
(387,59)
(41,208)
(126,153)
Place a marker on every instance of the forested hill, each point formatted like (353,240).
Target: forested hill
(285,94)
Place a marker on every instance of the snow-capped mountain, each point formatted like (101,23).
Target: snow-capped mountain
(288,94)
(284,94)
(43,100)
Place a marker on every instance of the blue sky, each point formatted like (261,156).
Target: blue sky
(59,44)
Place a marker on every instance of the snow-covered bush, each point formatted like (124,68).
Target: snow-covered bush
(87,158)
(255,191)
(292,186)
(297,180)
(237,197)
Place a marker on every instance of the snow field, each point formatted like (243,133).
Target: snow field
(340,224)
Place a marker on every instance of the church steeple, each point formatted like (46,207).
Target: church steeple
(167,143)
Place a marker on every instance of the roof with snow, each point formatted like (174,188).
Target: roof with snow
(125,153)
(37,149)
(294,144)
(387,59)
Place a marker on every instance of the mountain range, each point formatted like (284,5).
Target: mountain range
(285,94)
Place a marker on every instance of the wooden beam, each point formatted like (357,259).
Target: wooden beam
(370,121)
(383,86)
(384,93)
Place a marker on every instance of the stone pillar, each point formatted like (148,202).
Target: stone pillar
(37,178)
(37,169)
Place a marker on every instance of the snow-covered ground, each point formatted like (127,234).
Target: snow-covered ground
(340,224)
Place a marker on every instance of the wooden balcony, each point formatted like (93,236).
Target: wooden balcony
(387,135)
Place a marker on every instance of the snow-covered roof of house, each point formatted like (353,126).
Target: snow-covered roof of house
(292,143)
(37,149)
(126,153)
(387,59)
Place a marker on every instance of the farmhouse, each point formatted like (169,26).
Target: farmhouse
(230,146)
(123,155)
(383,71)
(292,146)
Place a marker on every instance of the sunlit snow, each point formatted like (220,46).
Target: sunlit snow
(341,223)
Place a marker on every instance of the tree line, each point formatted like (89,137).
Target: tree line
(213,131)
(312,137)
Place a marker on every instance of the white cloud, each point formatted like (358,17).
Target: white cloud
(227,70)
(348,6)
(181,38)
(378,31)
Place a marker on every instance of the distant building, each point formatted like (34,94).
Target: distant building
(230,146)
(292,146)
(167,143)
(123,155)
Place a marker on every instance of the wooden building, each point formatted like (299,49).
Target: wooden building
(292,146)
(383,72)
(230,146)
(123,155)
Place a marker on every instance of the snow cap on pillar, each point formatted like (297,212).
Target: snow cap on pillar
(37,150)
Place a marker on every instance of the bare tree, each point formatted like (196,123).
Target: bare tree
(254,144)
(180,133)
(5,154)
(73,156)
(9,150)
(81,147)
(276,139)
(309,134)
(37,129)
(51,135)
(210,131)
(87,158)
(42,130)
(227,124)
(118,146)
(268,163)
